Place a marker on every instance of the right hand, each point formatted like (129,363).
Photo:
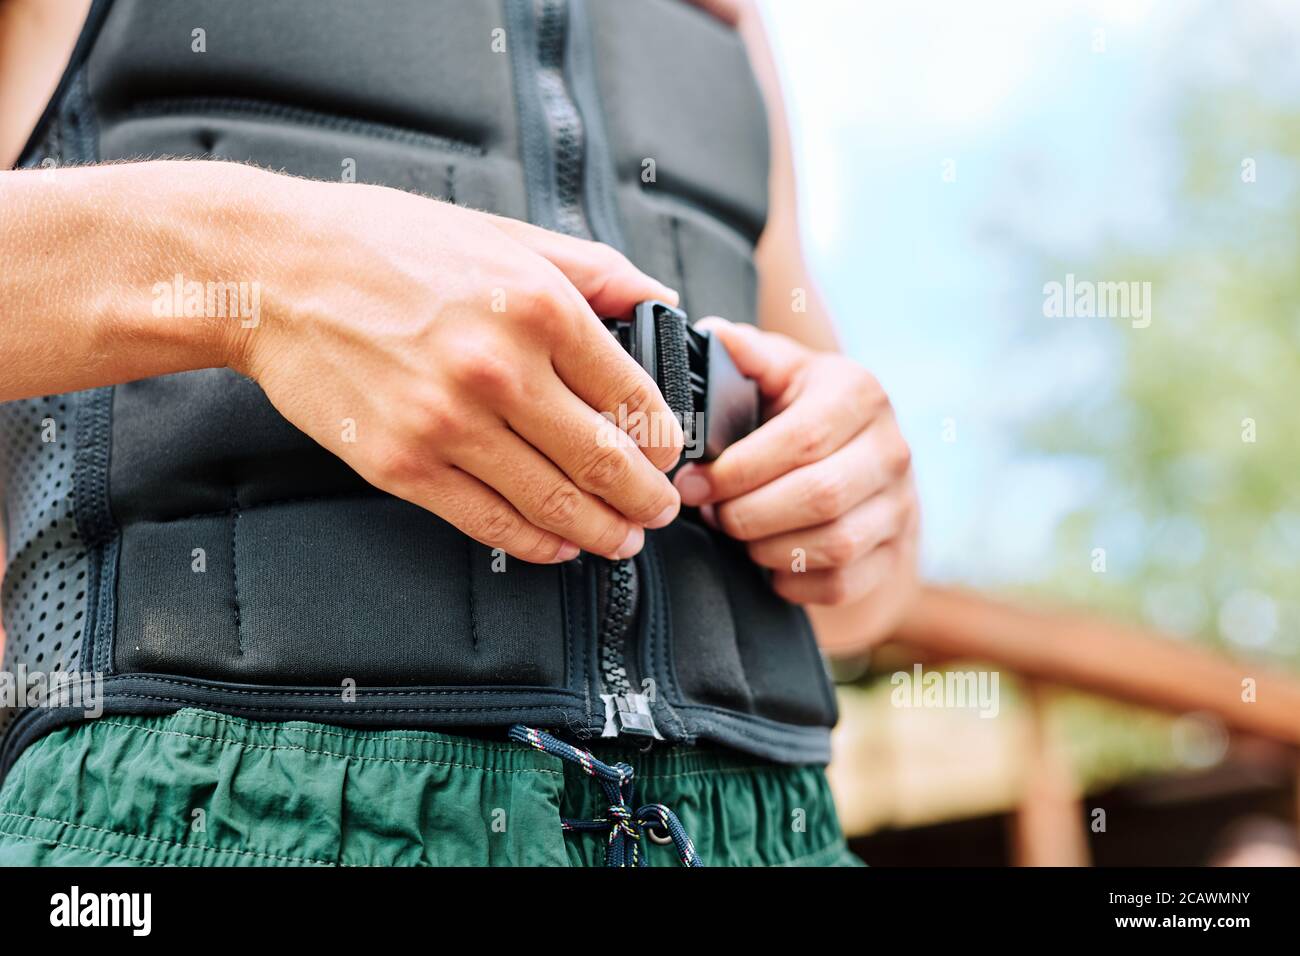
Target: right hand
(467,350)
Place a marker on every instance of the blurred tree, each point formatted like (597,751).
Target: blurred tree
(1196,504)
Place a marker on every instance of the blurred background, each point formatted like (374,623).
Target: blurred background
(1112,521)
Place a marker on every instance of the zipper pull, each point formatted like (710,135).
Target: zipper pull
(629,714)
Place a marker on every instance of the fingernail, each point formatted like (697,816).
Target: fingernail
(568,551)
(631,544)
(664,517)
(692,486)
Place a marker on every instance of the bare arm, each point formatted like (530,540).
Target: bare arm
(464,349)
(82,250)
(843,626)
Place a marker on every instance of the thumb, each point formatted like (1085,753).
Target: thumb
(604,276)
(770,359)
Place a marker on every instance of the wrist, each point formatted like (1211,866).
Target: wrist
(187,287)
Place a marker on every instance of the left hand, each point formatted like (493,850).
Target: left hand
(822,491)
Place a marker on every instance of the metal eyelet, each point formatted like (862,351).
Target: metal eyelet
(658,835)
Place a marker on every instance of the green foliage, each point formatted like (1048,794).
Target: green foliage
(1197,498)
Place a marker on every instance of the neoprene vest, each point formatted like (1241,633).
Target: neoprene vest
(180,538)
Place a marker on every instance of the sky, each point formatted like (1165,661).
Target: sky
(943,149)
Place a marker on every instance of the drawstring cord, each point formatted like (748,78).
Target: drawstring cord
(625,826)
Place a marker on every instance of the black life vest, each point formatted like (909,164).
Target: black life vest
(183,540)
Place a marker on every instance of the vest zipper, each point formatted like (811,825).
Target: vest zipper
(626,711)
(554,158)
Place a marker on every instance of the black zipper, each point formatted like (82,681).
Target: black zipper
(627,711)
(554,155)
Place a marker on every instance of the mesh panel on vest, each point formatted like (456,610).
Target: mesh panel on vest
(44,590)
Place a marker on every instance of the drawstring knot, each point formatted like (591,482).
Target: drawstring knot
(625,825)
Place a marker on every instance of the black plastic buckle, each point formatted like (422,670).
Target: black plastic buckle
(715,403)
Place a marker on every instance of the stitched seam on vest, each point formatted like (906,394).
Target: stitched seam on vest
(376,692)
(234,573)
(49,120)
(660,637)
(105,614)
(94,519)
(235,107)
(764,733)
(678,264)
(601,178)
(87,121)
(505,708)
(375,495)
(469,587)
(663,193)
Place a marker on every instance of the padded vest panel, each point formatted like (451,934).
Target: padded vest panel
(218,557)
(695,223)
(403,90)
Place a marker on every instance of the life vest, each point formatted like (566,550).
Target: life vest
(179,539)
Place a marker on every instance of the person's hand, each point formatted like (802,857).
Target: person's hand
(822,491)
(455,359)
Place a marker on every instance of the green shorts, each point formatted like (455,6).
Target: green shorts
(198,788)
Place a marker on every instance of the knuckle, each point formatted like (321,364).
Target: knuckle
(731,474)
(482,368)
(827,495)
(606,257)
(438,424)
(637,394)
(735,522)
(496,524)
(560,506)
(399,465)
(543,307)
(605,470)
(899,459)
(611,537)
(910,512)
(867,391)
(543,548)
(663,455)
(813,443)
(840,546)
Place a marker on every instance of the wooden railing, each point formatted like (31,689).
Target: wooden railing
(1119,661)
(1108,658)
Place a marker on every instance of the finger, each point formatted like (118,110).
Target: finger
(816,424)
(772,360)
(545,496)
(821,492)
(837,585)
(478,511)
(839,543)
(604,276)
(597,369)
(595,454)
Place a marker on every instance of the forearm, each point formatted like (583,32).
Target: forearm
(89,260)
(790,303)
